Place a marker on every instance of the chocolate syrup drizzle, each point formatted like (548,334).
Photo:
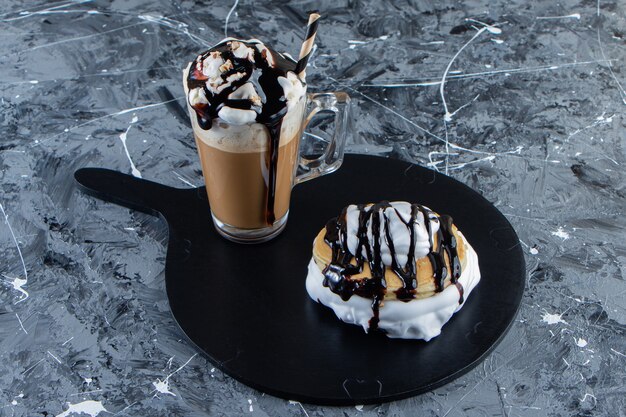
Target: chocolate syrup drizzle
(270,113)
(344,264)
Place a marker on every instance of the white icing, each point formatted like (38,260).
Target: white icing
(399,215)
(416,319)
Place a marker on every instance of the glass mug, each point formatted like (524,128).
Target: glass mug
(236,168)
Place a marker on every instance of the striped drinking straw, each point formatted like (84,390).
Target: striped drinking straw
(307,45)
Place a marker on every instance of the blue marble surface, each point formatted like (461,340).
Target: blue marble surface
(532,117)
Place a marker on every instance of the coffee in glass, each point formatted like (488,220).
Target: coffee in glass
(247,108)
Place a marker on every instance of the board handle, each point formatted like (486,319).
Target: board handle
(123,189)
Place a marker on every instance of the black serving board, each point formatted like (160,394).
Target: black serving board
(246,307)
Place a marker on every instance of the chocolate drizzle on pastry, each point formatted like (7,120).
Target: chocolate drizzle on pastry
(344,264)
(263,72)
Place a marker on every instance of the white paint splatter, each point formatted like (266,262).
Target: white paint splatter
(21,325)
(449,145)
(301,406)
(55,358)
(583,399)
(553,318)
(359,407)
(465,105)
(175,25)
(389,109)
(498,41)
(26,13)
(250,403)
(622,92)
(33,367)
(462,164)
(569,16)
(492,29)
(47,45)
(603,119)
(123,137)
(89,407)
(17,283)
(447,116)
(230,12)
(534,250)
(618,353)
(96,119)
(180,177)
(354,43)
(581,342)
(598,121)
(88,381)
(164,386)
(509,71)
(560,232)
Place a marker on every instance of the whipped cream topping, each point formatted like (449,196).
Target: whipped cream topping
(416,319)
(396,219)
(242,81)
(293,89)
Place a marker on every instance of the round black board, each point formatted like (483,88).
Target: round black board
(246,307)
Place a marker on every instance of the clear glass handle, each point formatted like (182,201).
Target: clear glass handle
(332,156)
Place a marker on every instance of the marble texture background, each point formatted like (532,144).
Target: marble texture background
(536,124)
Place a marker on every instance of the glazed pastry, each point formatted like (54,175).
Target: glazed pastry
(397,267)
